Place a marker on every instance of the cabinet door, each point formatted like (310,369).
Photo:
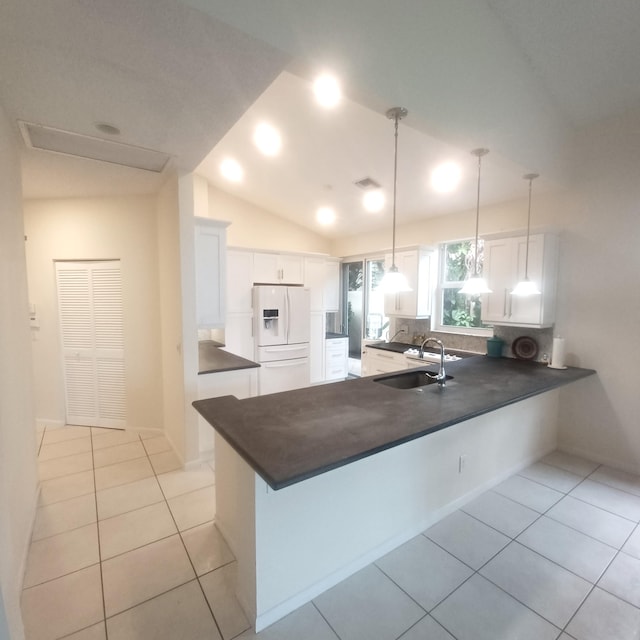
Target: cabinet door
(315,272)
(379,361)
(504,267)
(498,272)
(332,286)
(407,263)
(316,347)
(292,269)
(416,266)
(210,260)
(266,268)
(239,281)
(527,310)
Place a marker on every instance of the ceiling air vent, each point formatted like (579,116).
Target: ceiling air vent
(37,136)
(367,183)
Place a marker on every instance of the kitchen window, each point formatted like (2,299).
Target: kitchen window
(459,313)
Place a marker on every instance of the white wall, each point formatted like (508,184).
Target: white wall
(257,228)
(599,302)
(18,475)
(169,275)
(598,306)
(98,228)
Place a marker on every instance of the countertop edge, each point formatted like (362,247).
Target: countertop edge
(284,480)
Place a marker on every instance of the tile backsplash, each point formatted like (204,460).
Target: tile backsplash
(417,330)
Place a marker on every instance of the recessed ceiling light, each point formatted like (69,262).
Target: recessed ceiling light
(232,170)
(327,90)
(325,215)
(267,139)
(373,201)
(446,177)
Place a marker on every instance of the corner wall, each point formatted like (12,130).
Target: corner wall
(18,474)
(169,276)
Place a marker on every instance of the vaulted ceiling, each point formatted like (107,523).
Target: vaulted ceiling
(191,77)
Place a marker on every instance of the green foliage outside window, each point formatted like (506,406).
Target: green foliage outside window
(460,310)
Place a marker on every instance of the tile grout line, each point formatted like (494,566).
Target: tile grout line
(335,633)
(95,498)
(184,546)
(514,540)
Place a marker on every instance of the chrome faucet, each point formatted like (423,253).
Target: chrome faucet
(440,377)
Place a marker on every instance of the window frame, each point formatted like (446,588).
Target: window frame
(442,284)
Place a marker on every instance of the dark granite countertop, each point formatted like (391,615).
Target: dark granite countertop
(295,435)
(213,359)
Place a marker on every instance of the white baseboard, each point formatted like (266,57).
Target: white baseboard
(594,456)
(41,423)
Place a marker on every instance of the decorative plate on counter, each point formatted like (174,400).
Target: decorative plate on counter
(525,348)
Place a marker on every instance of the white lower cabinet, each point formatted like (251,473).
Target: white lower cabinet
(336,365)
(375,361)
(241,383)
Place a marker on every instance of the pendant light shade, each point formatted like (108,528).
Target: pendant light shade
(526,287)
(476,284)
(393,281)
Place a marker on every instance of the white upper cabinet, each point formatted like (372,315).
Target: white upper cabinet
(210,259)
(332,286)
(276,268)
(418,266)
(315,274)
(322,276)
(239,281)
(504,267)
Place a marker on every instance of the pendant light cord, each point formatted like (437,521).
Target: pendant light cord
(478,153)
(530,177)
(395,188)
(475,257)
(396,114)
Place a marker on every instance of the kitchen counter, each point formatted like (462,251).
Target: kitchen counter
(213,359)
(330,335)
(292,436)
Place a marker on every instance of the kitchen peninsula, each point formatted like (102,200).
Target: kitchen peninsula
(313,484)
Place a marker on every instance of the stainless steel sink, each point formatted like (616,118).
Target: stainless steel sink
(407,380)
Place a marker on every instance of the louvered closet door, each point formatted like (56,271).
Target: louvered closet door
(90,309)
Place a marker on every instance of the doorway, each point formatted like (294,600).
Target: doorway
(363,306)
(90,314)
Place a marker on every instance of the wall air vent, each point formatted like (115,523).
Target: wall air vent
(37,136)
(367,183)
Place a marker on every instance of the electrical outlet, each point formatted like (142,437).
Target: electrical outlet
(462,462)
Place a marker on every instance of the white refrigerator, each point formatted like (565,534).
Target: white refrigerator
(282,317)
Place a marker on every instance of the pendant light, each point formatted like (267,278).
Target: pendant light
(475,285)
(526,287)
(393,281)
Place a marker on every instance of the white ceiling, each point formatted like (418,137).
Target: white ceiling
(517,76)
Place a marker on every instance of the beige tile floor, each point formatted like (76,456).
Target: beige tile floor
(126,549)
(124,544)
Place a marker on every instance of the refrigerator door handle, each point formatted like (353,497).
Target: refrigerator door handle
(286,314)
